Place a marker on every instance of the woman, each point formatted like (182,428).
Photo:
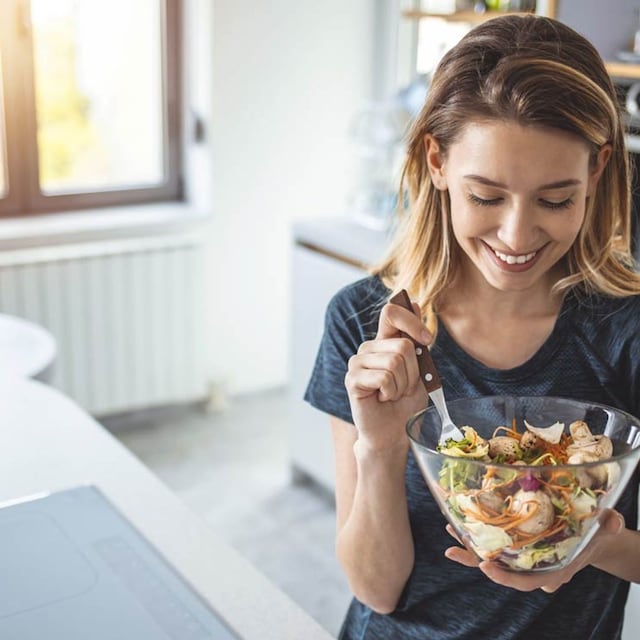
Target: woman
(515,251)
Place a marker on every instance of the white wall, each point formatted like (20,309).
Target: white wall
(287,76)
(609,25)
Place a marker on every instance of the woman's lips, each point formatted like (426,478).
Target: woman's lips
(512,262)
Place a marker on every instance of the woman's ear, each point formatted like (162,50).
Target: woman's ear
(435,162)
(596,171)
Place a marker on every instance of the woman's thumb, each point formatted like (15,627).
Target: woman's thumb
(612,522)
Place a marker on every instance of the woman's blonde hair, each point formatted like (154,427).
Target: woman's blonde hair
(529,70)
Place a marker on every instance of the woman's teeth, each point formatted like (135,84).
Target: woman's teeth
(515,259)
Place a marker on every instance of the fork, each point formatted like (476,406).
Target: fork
(430,378)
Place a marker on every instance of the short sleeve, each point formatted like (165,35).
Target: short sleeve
(614,332)
(350,319)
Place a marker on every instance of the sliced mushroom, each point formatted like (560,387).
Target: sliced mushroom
(584,479)
(613,473)
(490,500)
(588,477)
(580,457)
(584,441)
(535,504)
(580,431)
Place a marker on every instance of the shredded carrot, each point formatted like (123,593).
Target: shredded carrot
(510,432)
(557,451)
(507,519)
(523,542)
(560,474)
(491,471)
(492,486)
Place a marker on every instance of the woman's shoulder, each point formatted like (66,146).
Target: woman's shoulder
(359,302)
(599,305)
(614,315)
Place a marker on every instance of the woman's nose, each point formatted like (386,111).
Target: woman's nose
(518,230)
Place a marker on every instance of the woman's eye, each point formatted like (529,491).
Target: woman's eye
(547,204)
(564,204)
(483,202)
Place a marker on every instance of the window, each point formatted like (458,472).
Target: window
(88,103)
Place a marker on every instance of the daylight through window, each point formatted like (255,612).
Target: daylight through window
(91,107)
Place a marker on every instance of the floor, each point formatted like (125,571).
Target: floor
(232,468)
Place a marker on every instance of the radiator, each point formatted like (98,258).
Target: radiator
(127,315)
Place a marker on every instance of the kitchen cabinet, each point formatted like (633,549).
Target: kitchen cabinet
(327,255)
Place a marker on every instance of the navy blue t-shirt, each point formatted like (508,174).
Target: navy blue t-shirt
(593,353)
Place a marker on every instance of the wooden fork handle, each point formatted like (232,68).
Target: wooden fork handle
(428,372)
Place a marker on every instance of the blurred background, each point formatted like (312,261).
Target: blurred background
(183,186)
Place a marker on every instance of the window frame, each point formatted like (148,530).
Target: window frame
(24,195)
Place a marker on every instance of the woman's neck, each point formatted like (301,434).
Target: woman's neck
(501,329)
(471,295)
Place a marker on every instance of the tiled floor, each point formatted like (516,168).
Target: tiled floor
(232,468)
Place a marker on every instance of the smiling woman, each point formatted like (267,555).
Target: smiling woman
(90,103)
(513,243)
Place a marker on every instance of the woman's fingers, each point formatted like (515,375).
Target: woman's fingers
(462,556)
(362,382)
(612,522)
(396,320)
(522,581)
(386,372)
(387,366)
(395,355)
(452,532)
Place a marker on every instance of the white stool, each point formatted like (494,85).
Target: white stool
(26,349)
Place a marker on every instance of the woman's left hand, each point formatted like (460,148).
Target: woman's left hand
(611,525)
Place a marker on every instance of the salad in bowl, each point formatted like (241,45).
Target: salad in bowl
(526,485)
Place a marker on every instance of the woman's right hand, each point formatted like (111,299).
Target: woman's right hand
(383,381)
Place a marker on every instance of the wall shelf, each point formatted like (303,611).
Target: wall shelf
(623,69)
(615,68)
(548,8)
(460,16)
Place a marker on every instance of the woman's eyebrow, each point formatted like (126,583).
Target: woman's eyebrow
(551,185)
(483,180)
(561,183)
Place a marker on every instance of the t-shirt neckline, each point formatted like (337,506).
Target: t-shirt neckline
(531,366)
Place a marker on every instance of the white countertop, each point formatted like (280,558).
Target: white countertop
(344,238)
(48,443)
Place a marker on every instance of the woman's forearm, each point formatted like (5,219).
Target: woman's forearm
(375,545)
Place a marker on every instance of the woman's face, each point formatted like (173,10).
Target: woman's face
(518,197)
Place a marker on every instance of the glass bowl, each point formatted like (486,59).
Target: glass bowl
(527,517)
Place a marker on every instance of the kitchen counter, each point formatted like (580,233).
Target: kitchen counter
(48,443)
(343,239)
